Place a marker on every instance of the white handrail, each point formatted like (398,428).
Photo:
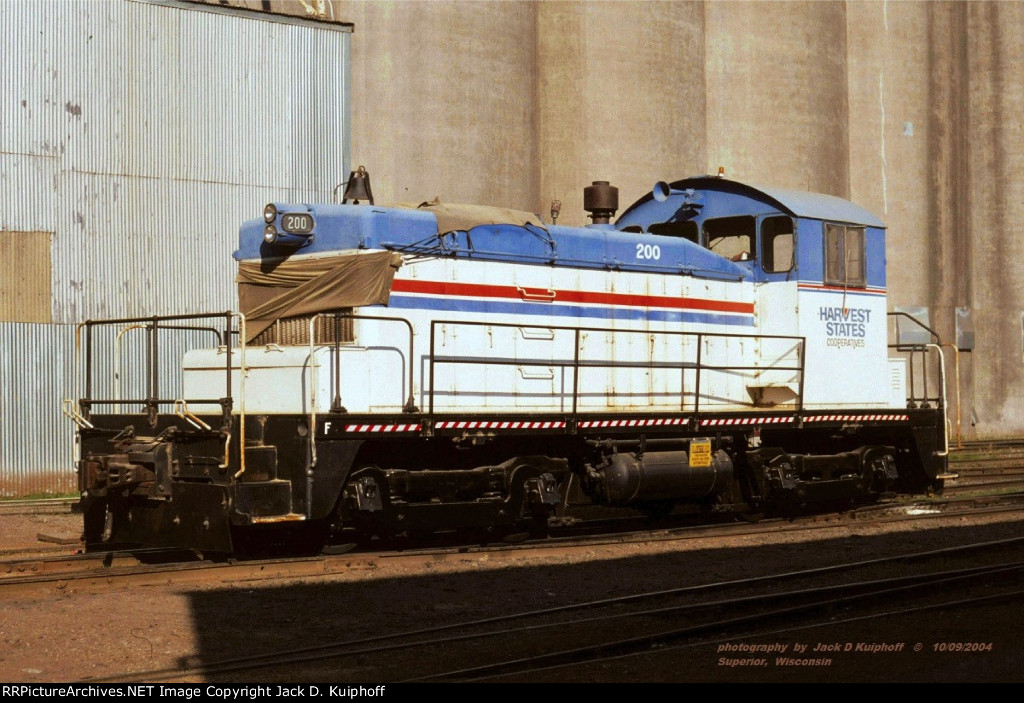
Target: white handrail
(945,423)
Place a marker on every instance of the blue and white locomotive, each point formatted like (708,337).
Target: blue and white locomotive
(720,347)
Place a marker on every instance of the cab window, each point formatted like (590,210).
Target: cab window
(687,229)
(777,242)
(731,237)
(844,256)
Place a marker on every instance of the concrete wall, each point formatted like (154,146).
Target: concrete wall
(444,100)
(986,262)
(776,93)
(621,98)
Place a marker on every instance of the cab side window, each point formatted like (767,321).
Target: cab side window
(687,229)
(731,237)
(777,243)
(844,256)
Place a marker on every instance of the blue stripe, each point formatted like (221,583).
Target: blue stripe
(550,310)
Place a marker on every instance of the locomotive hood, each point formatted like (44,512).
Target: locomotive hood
(459,217)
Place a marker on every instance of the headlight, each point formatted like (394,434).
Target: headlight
(269,213)
(270,233)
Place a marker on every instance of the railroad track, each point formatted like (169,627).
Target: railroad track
(39,506)
(147,567)
(579,641)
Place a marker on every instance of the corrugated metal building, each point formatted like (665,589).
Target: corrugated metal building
(135,137)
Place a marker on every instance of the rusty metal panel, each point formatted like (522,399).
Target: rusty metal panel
(35,439)
(25,276)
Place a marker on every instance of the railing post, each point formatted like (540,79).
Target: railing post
(430,403)
(696,391)
(913,393)
(924,376)
(88,360)
(576,371)
(336,405)
(227,363)
(152,372)
(156,358)
(803,363)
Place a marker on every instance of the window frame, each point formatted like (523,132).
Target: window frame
(752,236)
(765,248)
(836,269)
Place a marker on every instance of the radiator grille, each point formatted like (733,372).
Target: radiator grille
(294,331)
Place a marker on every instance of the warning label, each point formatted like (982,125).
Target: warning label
(700,453)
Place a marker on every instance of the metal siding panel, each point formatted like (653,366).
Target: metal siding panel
(148,134)
(167,250)
(92,73)
(30,101)
(28,186)
(36,441)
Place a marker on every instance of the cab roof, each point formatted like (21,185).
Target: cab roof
(816,206)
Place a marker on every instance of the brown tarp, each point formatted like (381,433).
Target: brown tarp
(268,292)
(453,217)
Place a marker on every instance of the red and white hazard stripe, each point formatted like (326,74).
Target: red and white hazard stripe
(653,422)
(498,425)
(731,421)
(650,422)
(858,418)
(382,428)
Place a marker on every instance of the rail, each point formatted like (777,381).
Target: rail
(918,351)
(921,351)
(692,354)
(336,406)
(154,327)
(576,363)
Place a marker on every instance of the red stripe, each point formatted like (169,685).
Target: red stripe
(812,286)
(478,290)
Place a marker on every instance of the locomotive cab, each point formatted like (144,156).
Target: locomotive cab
(818,265)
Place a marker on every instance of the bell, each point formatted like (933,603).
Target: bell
(358,187)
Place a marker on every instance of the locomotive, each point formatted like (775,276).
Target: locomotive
(720,348)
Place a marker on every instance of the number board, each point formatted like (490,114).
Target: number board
(297,223)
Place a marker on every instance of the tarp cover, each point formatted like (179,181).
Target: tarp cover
(455,217)
(279,290)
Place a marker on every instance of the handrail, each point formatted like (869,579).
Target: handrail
(410,405)
(921,349)
(576,363)
(900,313)
(956,381)
(945,423)
(182,411)
(128,328)
(241,388)
(83,367)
